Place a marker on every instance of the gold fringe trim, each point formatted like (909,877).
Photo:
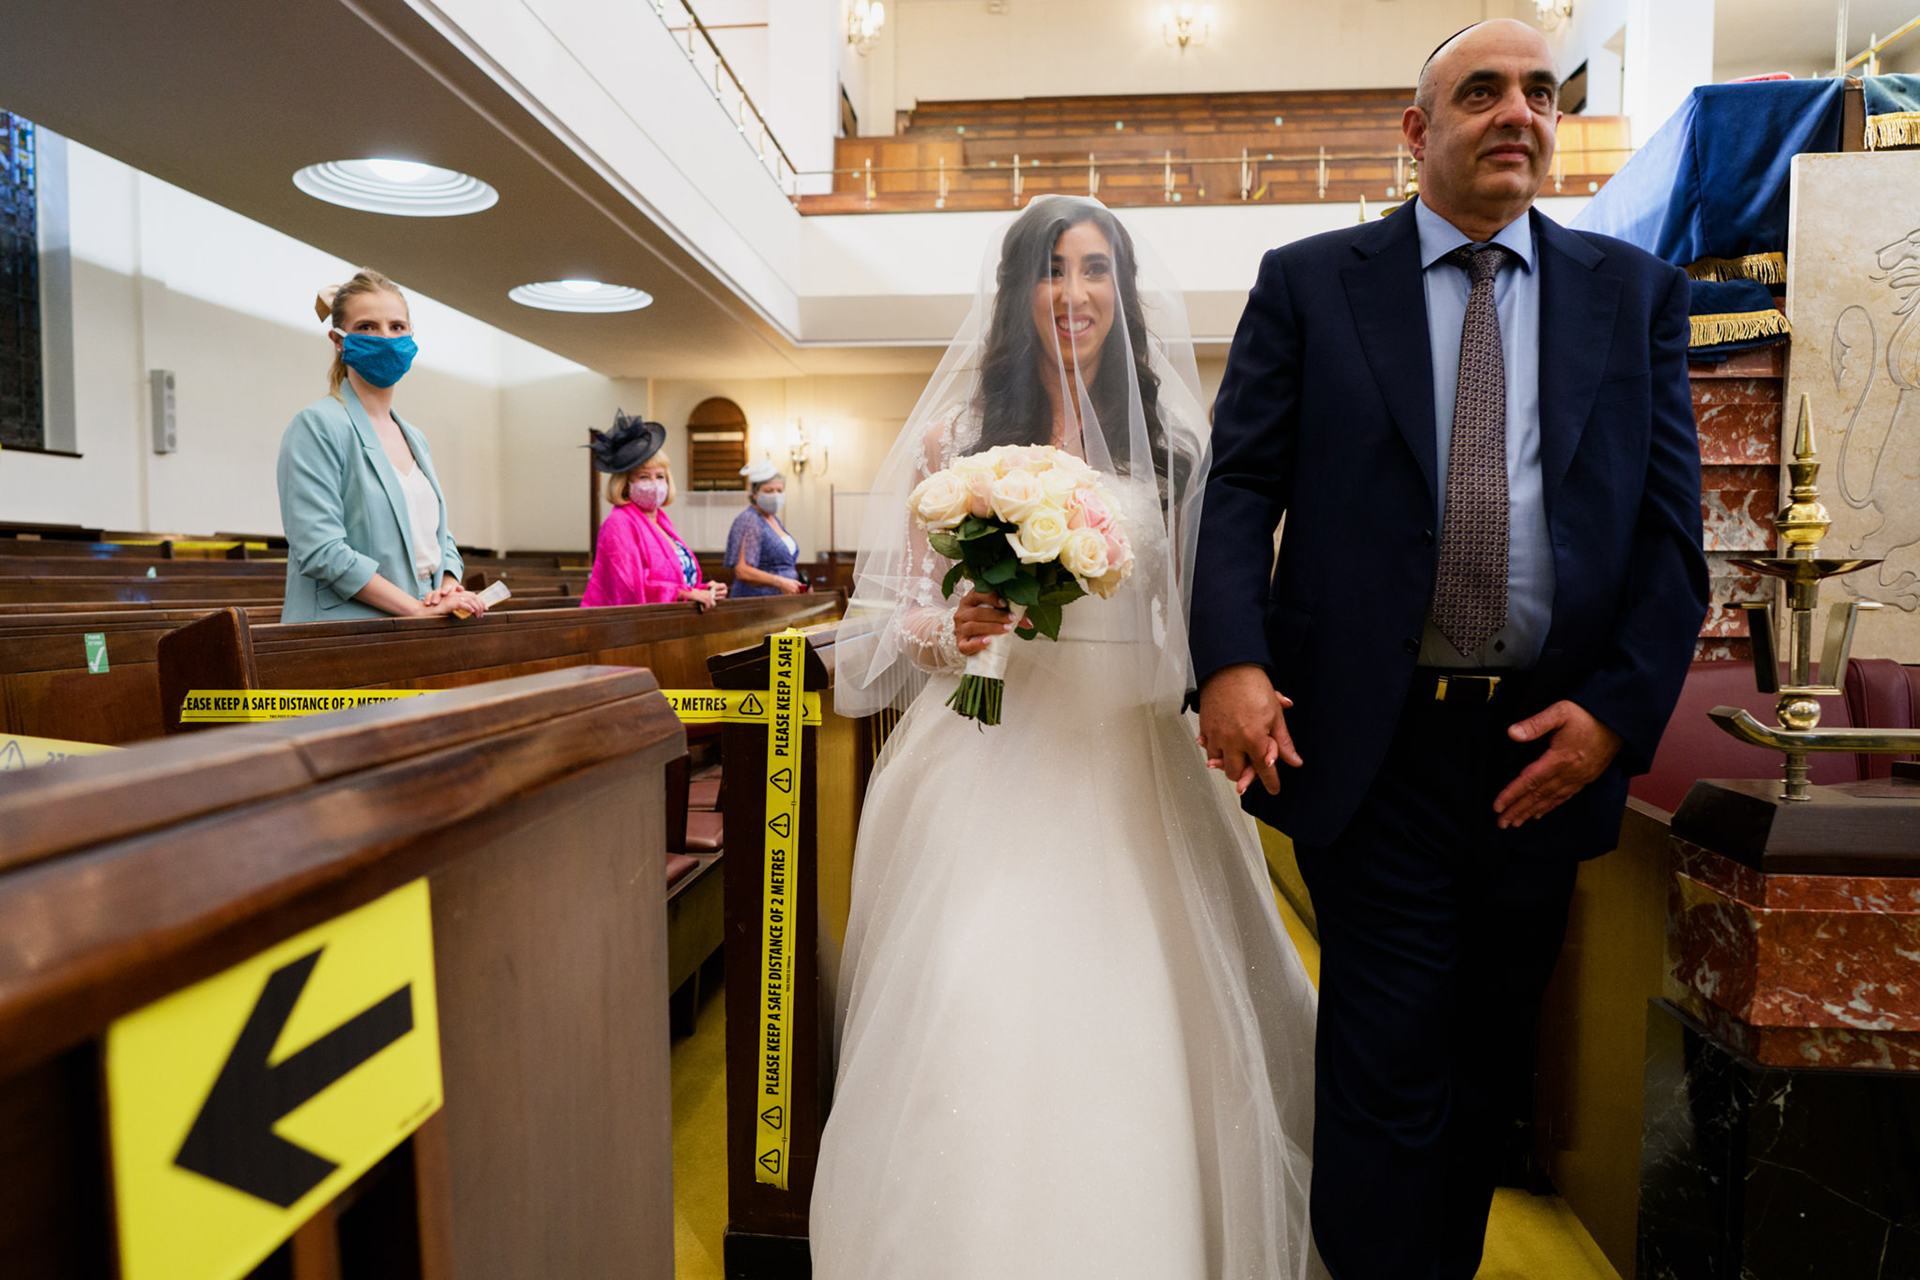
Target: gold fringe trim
(1895,129)
(1737,326)
(1767,268)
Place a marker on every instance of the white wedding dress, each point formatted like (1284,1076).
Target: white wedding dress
(1074,1039)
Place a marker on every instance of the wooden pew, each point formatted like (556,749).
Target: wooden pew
(672,640)
(50,589)
(675,641)
(766,1226)
(531,807)
(20,566)
(47,689)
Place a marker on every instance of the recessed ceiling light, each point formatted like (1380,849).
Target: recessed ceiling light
(580,295)
(404,187)
(400,170)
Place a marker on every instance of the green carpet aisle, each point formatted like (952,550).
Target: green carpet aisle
(1529,1237)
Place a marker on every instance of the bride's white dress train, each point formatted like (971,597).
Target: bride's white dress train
(1074,1038)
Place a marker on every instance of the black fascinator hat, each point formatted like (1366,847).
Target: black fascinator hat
(630,443)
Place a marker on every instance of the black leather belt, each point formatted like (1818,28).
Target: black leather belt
(1458,688)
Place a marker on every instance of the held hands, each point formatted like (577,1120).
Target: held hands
(448,598)
(981,616)
(706,597)
(1579,749)
(1243,727)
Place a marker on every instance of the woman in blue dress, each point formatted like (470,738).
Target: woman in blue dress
(762,554)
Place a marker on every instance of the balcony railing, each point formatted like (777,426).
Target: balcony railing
(939,179)
(694,40)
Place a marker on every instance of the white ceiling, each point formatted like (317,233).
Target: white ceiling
(227,98)
(1752,36)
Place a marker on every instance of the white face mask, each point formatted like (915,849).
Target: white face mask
(647,494)
(771,503)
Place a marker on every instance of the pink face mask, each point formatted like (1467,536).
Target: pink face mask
(647,494)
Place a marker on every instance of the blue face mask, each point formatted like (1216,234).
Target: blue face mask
(381,361)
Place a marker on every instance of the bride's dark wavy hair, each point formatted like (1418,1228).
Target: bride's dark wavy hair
(1011,404)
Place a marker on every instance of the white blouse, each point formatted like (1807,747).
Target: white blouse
(423,514)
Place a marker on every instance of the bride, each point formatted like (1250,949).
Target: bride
(1074,1039)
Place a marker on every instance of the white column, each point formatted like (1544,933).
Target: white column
(1669,51)
(804,42)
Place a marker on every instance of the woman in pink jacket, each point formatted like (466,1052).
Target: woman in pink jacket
(640,558)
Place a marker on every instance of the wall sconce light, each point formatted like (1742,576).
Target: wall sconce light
(800,446)
(1185,25)
(1551,13)
(864,21)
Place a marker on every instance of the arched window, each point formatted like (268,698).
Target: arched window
(717,445)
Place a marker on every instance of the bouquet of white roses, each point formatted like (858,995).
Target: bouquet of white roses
(1032,523)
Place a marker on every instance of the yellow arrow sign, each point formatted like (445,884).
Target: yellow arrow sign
(242,1104)
(17,751)
(740,706)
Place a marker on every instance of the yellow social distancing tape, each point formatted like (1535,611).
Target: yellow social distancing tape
(244,706)
(242,1104)
(17,751)
(780,913)
(739,706)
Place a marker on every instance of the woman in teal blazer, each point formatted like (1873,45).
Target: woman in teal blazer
(365,519)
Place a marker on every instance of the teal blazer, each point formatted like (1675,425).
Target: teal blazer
(345,515)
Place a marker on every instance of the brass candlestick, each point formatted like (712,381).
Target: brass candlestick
(1801,525)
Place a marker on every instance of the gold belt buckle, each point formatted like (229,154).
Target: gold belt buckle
(1440,686)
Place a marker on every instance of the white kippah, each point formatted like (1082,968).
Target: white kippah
(759,472)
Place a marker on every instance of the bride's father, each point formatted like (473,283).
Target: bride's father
(1476,425)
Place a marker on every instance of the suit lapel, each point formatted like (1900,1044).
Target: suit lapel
(1389,302)
(1577,309)
(389,478)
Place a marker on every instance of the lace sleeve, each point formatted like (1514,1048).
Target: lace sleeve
(923,624)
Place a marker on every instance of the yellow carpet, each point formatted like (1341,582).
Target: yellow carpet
(700,1144)
(1528,1237)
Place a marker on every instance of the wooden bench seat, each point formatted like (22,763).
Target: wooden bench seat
(530,807)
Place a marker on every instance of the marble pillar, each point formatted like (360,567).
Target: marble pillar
(1853,297)
(1781,1112)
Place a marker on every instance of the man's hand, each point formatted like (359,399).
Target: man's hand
(1243,727)
(1579,749)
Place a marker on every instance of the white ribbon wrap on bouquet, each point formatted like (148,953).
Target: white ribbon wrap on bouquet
(991,662)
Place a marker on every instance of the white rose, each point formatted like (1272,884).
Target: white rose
(1108,583)
(940,501)
(1059,486)
(1040,538)
(1084,554)
(1015,495)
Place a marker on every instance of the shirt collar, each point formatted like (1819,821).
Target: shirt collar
(1438,237)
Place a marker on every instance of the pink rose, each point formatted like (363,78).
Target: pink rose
(1088,512)
(1118,552)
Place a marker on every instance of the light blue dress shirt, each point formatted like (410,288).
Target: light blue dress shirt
(1516,296)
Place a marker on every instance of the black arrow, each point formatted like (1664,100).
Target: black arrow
(232,1139)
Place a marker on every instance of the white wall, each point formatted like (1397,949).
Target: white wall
(165,280)
(1643,56)
(945,49)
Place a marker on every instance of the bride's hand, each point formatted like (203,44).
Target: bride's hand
(980,617)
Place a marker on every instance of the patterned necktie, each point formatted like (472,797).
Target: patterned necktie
(1470,595)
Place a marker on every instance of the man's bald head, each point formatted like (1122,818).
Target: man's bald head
(1482,124)
(1434,72)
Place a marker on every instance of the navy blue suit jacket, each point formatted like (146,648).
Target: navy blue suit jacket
(1326,417)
